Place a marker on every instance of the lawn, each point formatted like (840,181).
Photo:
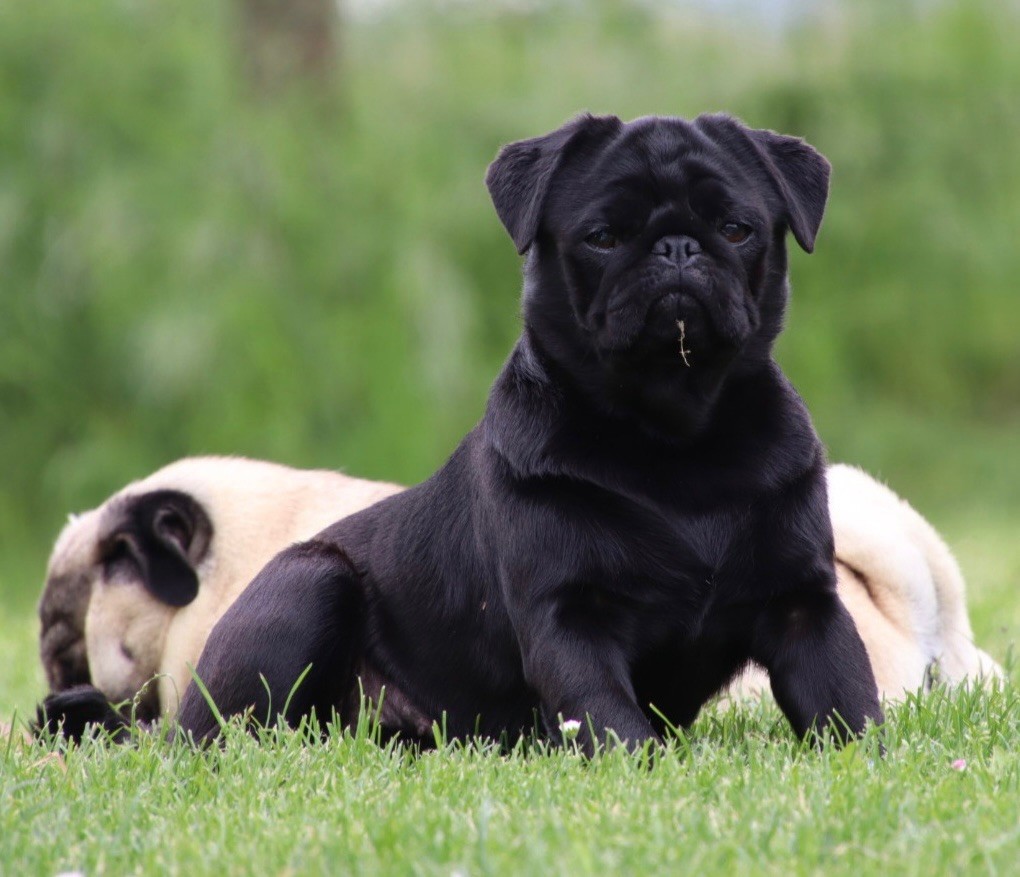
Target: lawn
(737,794)
(318,278)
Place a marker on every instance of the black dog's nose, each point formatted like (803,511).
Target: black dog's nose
(677,248)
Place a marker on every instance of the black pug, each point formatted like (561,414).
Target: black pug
(641,510)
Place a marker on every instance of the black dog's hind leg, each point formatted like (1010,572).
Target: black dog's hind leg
(819,669)
(306,607)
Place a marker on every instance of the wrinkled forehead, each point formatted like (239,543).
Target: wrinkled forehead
(656,160)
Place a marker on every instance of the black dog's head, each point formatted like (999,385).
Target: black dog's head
(657,262)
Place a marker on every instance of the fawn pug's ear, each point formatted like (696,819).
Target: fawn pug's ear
(157,538)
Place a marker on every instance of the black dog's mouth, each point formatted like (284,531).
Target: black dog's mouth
(672,308)
(674,328)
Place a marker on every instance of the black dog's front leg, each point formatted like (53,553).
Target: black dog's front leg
(819,669)
(306,607)
(580,675)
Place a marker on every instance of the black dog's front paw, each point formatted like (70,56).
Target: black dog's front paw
(819,669)
(78,711)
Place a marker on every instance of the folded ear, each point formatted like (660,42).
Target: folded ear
(161,537)
(799,172)
(519,177)
(802,175)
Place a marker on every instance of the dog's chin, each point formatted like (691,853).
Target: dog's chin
(674,331)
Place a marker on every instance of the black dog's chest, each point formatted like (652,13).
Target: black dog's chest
(666,573)
(709,543)
(710,558)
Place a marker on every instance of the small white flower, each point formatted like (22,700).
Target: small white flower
(569,729)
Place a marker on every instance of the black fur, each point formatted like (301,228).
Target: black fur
(80,711)
(626,526)
(158,538)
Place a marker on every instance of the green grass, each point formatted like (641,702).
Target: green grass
(737,795)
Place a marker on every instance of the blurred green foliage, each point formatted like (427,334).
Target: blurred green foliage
(319,278)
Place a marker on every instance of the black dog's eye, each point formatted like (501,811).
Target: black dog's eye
(735,232)
(602,239)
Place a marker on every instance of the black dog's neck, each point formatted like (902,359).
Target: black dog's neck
(543,426)
(667,403)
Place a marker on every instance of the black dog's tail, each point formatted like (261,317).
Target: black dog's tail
(78,712)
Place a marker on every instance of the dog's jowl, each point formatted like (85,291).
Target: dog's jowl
(640,511)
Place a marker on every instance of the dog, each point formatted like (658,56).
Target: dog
(641,510)
(894,573)
(134,586)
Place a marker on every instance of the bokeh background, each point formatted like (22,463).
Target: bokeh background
(256,227)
